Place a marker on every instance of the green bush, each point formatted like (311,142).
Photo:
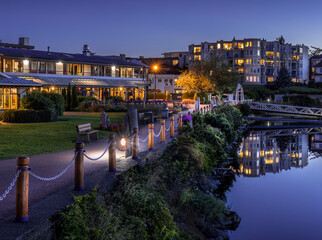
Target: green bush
(43,101)
(115,98)
(28,116)
(244,108)
(90,219)
(85,98)
(93,106)
(302,100)
(232,114)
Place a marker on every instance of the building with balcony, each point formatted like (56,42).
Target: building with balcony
(257,60)
(315,68)
(23,70)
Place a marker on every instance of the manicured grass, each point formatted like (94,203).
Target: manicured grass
(30,139)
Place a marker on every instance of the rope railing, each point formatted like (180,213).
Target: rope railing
(55,177)
(21,178)
(98,158)
(6,192)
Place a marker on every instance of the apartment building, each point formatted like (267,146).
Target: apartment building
(23,69)
(257,60)
(315,68)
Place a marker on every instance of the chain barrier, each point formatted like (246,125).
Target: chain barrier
(57,176)
(128,146)
(167,130)
(178,123)
(147,137)
(95,159)
(157,135)
(3,196)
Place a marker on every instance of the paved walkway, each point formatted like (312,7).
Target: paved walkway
(49,165)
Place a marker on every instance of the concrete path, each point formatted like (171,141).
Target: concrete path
(49,165)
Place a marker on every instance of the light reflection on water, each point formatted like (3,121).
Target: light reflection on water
(278,194)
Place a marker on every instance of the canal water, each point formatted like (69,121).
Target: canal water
(278,193)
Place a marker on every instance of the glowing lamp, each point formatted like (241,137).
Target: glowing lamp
(113,68)
(59,63)
(25,62)
(155,67)
(123,142)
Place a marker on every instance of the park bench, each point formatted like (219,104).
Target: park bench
(85,130)
(143,119)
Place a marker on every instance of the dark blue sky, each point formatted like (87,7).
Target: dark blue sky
(150,28)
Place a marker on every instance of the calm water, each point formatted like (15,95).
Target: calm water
(278,194)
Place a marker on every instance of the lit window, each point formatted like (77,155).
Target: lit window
(197,49)
(218,45)
(241,45)
(227,46)
(197,57)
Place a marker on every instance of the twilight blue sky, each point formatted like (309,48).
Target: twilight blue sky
(149,28)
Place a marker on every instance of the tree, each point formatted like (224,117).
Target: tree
(63,92)
(281,40)
(74,101)
(283,80)
(68,97)
(209,76)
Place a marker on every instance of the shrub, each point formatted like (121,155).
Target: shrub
(302,100)
(36,101)
(43,101)
(85,98)
(58,101)
(93,106)
(244,108)
(232,114)
(115,98)
(28,116)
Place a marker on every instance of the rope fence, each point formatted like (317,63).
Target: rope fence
(21,178)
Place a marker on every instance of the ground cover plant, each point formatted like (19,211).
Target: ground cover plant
(163,199)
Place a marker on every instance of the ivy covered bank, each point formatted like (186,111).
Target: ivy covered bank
(178,196)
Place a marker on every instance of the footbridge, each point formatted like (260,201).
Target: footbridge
(297,110)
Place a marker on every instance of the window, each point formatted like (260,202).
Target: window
(197,57)
(241,45)
(159,80)
(249,44)
(227,46)
(197,49)
(218,45)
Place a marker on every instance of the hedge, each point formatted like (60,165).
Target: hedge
(159,96)
(28,116)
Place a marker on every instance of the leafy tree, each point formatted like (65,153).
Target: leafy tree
(281,39)
(209,76)
(68,97)
(283,80)
(74,100)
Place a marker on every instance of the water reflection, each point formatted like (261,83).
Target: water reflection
(272,151)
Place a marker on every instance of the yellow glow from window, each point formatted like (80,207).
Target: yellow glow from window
(218,46)
(270,79)
(197,57)
(269,161)
(240,70)
(228,46)
(262,153)
(197,49)
(241,45)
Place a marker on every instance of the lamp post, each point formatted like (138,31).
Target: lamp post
(155,67)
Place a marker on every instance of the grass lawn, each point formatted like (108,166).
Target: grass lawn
(36,138)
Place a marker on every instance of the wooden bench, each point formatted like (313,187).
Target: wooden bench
(85,130)
(143,119)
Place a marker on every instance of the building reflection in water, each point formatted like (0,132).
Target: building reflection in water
(260,154)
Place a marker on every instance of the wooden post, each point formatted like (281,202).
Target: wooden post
(151,136)
(135,146)
(172,127)
(180,120)
(162,125)
(22,190)
(112,153)
(79,166)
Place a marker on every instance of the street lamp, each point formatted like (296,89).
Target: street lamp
(155,68)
